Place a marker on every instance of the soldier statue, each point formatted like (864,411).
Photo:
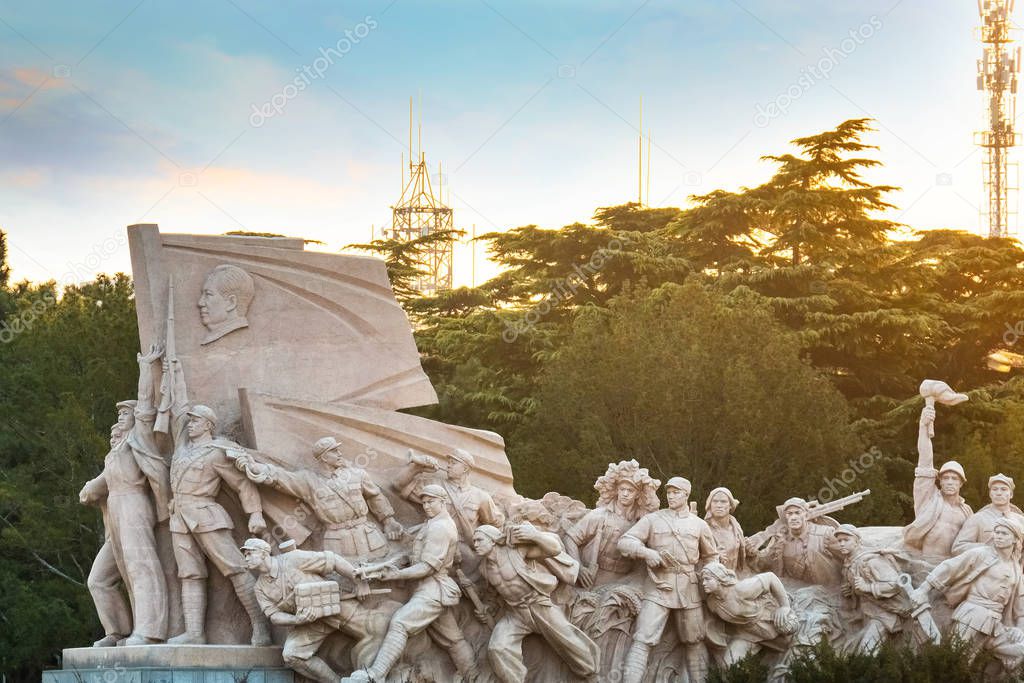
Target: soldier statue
(671,543)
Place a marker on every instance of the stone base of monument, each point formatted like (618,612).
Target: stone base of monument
(171,664)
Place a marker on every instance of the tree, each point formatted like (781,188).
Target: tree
(64,362)
(406,260)
(695,383)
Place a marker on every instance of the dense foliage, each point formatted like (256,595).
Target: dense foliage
(697,340)
(64,362)
(948,662)
(768,338)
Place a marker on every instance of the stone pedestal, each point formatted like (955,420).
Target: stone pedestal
(171,664)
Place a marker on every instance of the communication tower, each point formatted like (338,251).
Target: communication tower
(997,78)
(419,212)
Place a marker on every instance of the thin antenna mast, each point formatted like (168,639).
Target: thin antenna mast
(648,167)
(640,157)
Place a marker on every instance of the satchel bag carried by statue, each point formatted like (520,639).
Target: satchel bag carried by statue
(321,598)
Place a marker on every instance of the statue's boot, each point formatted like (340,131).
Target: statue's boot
(635,665)
(360,676)
(136,639)
(697,662)
(464,659)
(387,656)
(245,589)
(109,640)
(313,668)
(193,608)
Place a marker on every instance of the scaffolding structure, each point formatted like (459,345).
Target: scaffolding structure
(418,213)
(998,70)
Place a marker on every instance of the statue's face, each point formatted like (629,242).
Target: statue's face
(457,468)
(254,559)
(846,544)
(710,583)
(332,458)
(720,506)
(796,517)
(676,497)
(1002,537)
(999,493)
(482,544)
(432,506)
(950,483)
(627,494)
(214,307)
(197,426)
(125,418)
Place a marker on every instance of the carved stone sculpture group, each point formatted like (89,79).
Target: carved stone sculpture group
(417,573)
(479,575)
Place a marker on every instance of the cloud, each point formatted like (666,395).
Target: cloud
(17,84)
(26,178)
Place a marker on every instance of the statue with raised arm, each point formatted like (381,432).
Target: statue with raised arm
(517,563)
(939,511)
(985,587)
(626,492)
(871,589)
(977,530)
(342,497)
(725,527)
(672,543)
(295,590)
(748,615)
(200,527)
(133,491)
(434,594)
(468,505)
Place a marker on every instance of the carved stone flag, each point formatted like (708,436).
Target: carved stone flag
(264,314)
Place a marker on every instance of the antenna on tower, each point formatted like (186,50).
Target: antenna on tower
(640,157)
(648,167)
(419,213)
(998,70)
(643,181)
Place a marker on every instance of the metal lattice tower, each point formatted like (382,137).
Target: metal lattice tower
(419,213)
(997,78)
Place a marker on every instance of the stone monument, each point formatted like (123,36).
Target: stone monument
(271,516)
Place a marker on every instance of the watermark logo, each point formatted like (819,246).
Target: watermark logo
(562,290)
(840,486)
(811,74)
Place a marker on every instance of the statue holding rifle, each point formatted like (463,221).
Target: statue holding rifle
(796,547)
(435,593)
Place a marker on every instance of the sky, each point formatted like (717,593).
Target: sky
(292,118)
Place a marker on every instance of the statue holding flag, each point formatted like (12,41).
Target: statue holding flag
(133,491)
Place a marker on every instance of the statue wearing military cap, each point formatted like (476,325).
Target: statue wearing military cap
(870,586)
(134,491)
(429,608)
(977,530)
(985,586)
(469,505)
(287,588)
(796,547)
(671,543)
(342,496)
(200,526)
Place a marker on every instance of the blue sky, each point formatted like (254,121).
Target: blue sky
(114,113)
